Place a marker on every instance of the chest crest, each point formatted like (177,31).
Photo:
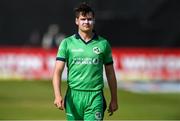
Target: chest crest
(96,50)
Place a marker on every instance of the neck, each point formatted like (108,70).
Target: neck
(86,36)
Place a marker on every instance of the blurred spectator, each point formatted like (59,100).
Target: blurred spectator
(34,39)
(52,37)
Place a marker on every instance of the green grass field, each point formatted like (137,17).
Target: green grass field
(33,100)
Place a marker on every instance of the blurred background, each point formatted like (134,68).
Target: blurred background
(150,23)
(144,36)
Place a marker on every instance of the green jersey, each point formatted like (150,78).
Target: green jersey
(85,61)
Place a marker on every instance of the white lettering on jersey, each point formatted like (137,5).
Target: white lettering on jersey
(77,50)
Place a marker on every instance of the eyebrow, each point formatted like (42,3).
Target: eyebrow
(86,18)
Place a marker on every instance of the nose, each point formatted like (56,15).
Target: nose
(86,21)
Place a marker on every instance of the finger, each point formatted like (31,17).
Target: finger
(110,112)
(55,103)
(60,106)
(115,109)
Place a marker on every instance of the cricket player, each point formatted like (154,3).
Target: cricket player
(85,53)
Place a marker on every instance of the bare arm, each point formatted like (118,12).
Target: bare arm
(58,101)
(112,82)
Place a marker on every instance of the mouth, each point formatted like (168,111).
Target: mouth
(87,27)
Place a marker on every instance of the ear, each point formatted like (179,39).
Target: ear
(76,21)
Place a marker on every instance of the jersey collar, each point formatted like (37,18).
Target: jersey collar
(95,37)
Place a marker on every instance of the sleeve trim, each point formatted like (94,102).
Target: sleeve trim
(109,63)
(60,59)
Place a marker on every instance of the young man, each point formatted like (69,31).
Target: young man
(85,54)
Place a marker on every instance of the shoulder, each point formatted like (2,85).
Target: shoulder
(68,39)
(103,40)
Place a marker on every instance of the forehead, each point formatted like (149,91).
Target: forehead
(86,15)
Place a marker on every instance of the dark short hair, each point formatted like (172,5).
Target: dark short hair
(83,9)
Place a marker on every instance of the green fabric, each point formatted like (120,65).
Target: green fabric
(85,61)
(84,105)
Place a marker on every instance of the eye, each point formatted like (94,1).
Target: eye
(82,19)
(89,19)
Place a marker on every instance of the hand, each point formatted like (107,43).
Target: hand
(113,106)
(59,103)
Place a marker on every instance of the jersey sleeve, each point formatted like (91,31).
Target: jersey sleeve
(108,55)
(62,51)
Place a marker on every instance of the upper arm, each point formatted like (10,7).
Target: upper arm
(62,51)
(109,68)
(107,54)
(60,60)
(59,67)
